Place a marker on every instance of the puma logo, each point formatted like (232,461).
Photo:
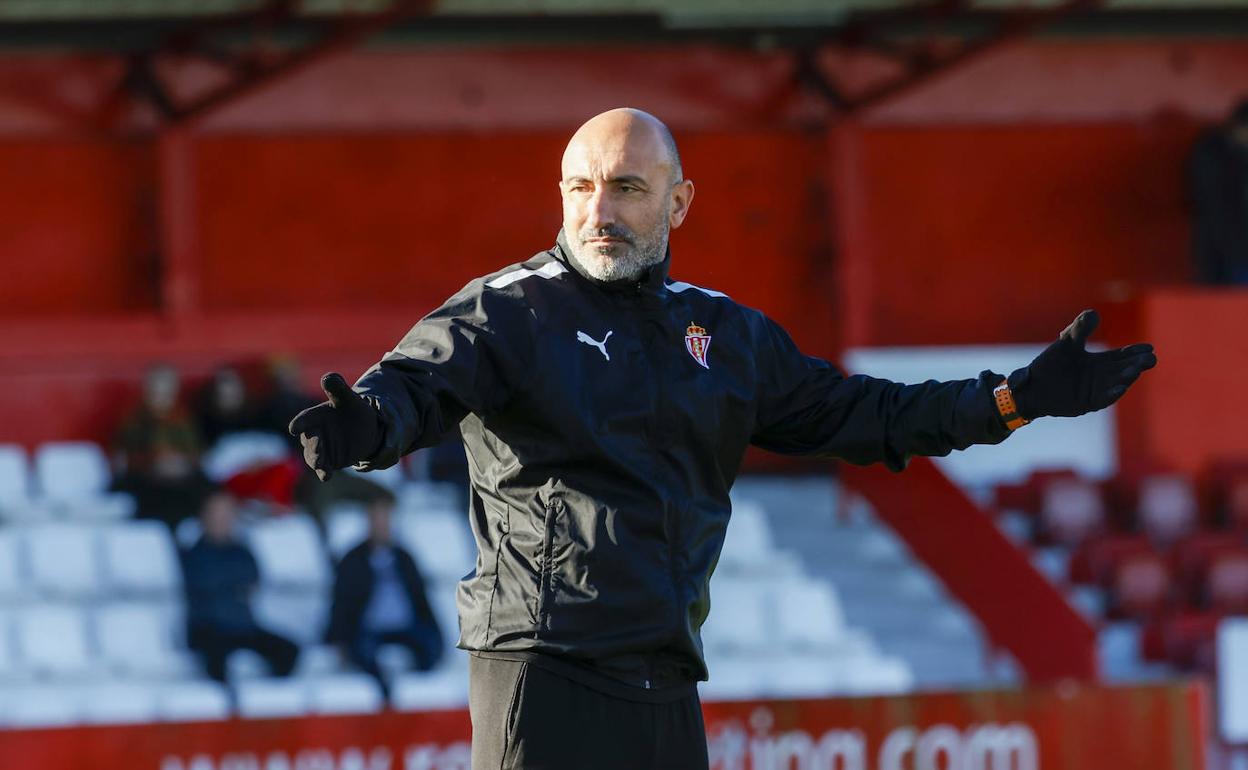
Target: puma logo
(602,346)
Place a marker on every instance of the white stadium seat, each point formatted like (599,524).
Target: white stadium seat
(116,703)
(75,476)
(52,640)
(300,614)
(289,552)
(70,471)
(346,526)
(137,638)
(198,701)
(810,615)
(442,688)
(8,658)
(238,452)
(62,559)
(741,617)
(139,559)
(14,480)
(268,698)
(12,583)
(440,542)
(42,705)
(345,694)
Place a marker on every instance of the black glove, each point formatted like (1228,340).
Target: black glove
(339,432)
(1067,381)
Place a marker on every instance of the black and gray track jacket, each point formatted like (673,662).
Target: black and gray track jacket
(604,425)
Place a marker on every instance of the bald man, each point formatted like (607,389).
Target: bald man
(605,409)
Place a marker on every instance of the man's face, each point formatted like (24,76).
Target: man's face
(217,518)
(619,198)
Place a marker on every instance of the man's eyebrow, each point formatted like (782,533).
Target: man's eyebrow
(625,179)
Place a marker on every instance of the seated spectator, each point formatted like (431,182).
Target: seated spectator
(379,598)
(1217,180)
(222,407)
(220,575)
(156,453)
(286,399)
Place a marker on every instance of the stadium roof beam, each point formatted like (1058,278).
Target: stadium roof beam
(927,56)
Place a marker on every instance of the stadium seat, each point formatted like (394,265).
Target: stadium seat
(75,475)
(15,496)
(139,559)
(1186,640)
(801,676)
(62,559)
(318,660)
(266,698)
(810,616)
(137,639)
(289,552)
(1226,582)
(197,701)
(238,452)
(733,677)
(12,583)
(442,688)
(118,703)
(1096,560)
(43,705)
(427,495)
(8,658)
(300,614)
(439,540)
(1071,510)
(884,675)
(741,616)
(1167,507)
(52,640)
(1141,586)
(345,694)
(748,545)
(346,526)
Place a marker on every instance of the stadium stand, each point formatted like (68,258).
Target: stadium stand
(91,608)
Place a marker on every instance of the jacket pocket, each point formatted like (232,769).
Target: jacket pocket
(546,592)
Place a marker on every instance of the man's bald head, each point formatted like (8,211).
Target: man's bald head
(623,190)
(626,127)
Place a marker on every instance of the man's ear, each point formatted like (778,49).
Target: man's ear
(682,198)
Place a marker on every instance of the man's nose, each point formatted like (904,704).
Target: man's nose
(599,212)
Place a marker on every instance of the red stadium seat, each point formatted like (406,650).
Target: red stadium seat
(1187,640)
(1141,586)
(1097,559)
(1226,582)
(1071,511)
(1191,557)
(1167,508)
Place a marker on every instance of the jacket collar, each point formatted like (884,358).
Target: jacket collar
(653,281)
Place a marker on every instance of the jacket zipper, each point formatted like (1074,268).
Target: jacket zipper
(547,575)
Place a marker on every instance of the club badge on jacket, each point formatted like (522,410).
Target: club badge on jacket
(698,343)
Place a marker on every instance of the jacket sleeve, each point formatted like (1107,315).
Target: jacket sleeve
(470,355)
(806,406)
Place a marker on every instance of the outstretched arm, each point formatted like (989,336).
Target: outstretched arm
(808,407)
(470,355)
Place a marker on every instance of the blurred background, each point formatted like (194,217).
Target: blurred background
(206,204)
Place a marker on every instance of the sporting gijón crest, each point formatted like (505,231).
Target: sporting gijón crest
(698,342)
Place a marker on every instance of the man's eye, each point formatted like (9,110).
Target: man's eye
(628,188)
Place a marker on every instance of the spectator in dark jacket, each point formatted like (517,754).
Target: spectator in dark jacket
(1217,180)
(221,574)
(379,598)
(156,452)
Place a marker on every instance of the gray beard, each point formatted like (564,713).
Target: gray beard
(624,261)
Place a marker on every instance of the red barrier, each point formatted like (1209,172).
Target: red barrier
(1157,727)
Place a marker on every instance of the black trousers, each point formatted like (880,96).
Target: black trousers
(215,646)
(527,718)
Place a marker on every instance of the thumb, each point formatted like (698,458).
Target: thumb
(1082,327)
(337,390)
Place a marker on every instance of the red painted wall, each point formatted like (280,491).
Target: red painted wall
(76,222)
(404,220)
(998,234)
